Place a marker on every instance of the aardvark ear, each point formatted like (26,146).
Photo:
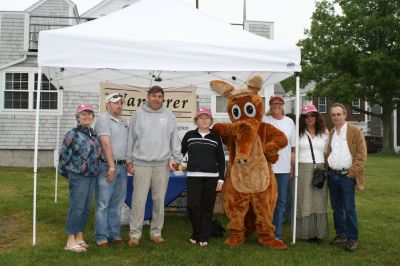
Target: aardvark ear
(222,88)
(255,83)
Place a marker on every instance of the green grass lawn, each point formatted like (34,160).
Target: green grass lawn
(378,209)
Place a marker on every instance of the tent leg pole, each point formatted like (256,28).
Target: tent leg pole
(57,148)
(296,170)
(60,106)
(35,160)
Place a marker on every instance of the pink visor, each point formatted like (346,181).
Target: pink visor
(203,110)
(309,108)
(84,107)
(276,96)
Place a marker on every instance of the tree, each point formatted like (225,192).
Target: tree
(352,50)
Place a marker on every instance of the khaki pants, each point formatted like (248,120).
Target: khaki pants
(147,177)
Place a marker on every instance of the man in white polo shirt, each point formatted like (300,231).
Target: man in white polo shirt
(112,131)
(345,156)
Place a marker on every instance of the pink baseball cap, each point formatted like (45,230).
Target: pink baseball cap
(309,108)
(276,96)
(84,107)
(204,110)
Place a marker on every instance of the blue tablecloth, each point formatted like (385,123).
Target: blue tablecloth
(176,185)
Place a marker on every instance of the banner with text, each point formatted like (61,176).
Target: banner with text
(180,101)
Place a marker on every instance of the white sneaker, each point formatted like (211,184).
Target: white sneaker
(203,244)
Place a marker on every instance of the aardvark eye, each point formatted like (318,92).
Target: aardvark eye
(250,109)
(236,111)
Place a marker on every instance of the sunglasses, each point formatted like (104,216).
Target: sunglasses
(117,96)
(311,115)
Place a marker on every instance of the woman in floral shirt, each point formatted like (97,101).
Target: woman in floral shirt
(79,162)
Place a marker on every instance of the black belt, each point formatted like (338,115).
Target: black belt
(116,161)
(338,172)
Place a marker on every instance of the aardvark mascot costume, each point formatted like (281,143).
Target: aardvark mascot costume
(250,190)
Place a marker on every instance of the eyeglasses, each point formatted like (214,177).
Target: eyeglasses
(311,115)
(335,114)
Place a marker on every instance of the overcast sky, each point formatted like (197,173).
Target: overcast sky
(289,16)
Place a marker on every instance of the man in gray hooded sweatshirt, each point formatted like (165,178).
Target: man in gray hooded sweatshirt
(153,150)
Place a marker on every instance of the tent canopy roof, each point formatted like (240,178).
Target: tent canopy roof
(160,39)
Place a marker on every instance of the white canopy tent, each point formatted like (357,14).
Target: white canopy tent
(163,42)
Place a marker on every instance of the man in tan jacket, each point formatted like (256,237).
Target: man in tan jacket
(345,156)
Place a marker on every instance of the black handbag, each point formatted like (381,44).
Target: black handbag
(319,174)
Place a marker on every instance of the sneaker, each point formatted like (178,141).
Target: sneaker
(314,240)
(192,241)
(158,239)
(102,244)
(317,240)
(133,242)
(203,244)
(351,245)
(338,240)
(118,242)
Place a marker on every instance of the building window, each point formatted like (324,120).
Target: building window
(356,103)
(16,95)
(48,97)
(305,101)
(20,92)
(368,115)
(322,104)
(220,104)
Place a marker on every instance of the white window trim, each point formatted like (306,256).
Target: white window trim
(30,111)
(304,101)
(354,112)
(214,109)
(326,105)
(367,108)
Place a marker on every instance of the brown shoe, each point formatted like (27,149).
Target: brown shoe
(351,245)
(158,239)
(133,242)
(235,239)
(338,241)
(102,244)
(118,242)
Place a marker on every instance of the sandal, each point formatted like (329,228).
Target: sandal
(83,244)
(76,248)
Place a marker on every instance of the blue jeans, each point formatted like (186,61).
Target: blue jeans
(342,194)
(80,201)
(288,212)
(109,199)
(282,180)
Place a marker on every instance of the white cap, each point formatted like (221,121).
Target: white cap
(114,97)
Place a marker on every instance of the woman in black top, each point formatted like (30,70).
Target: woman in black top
(205,172)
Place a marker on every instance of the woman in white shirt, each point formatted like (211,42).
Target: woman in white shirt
(283,166)
(312,218)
